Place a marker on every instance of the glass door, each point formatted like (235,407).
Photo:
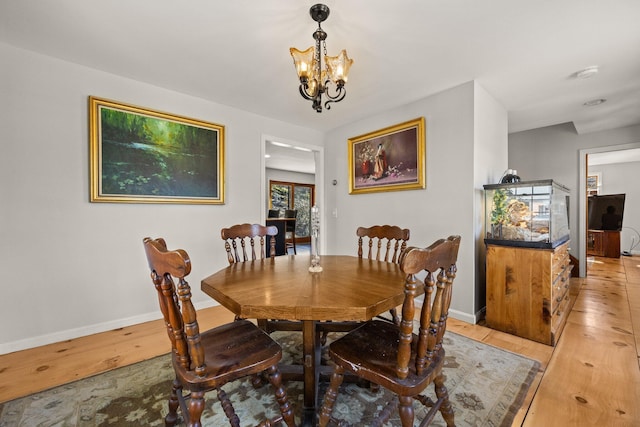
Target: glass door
(291,195)
(302,201)
(280,195)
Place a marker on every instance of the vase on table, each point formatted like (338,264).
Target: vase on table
(315,266)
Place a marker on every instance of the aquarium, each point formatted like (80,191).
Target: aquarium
(527,213)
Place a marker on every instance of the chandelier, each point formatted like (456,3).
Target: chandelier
(315,80)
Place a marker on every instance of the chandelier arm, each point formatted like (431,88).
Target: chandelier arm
(337,98)
(304,93)
(340,93)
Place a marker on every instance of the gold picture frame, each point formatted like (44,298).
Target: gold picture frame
(389,159)
(139,155)
(594,182)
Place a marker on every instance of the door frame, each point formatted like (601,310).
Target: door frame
(318,154)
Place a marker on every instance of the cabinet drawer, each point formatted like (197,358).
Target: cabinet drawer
(559,318)
(560,252)
(560,259)
(560,286)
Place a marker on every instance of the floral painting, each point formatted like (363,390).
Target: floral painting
(389,159)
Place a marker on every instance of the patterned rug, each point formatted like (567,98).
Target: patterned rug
(486,388)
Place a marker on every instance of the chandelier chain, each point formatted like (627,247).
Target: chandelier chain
(324,55)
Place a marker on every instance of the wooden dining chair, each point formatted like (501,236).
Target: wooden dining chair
(249,235)
(290,230)
(207,361)
(383,243)
(393,356)
(240,238)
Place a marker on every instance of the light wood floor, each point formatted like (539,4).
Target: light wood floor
(592,377)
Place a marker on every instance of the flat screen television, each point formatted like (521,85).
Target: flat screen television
(606,211)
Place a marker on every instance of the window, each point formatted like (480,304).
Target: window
(291,195)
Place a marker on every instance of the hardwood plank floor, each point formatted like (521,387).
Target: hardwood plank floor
(592,376)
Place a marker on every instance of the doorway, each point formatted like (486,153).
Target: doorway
(294,157)
(583,235)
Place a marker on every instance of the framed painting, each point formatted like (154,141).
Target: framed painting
(593,184)
(139,155)
(388,159)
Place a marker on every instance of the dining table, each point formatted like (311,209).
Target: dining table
(348,288)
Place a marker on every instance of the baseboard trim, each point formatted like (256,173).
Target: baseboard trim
(465,317)
(460,315)
(83,331)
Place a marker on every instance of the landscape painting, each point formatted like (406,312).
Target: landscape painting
(140,155)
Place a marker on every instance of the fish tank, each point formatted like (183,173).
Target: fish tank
(527,214)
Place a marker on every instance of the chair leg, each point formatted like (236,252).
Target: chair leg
(405,408)
(330,396)
(445,407)
(293,239)
(257,381)
(291,245)
(275,378)
(196,406)
(172,417)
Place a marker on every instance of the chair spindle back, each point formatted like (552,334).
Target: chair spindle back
(439,263)
(182,324)
(393,238)
(237,236)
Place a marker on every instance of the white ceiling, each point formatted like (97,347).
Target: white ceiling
(289,158)
(235,53)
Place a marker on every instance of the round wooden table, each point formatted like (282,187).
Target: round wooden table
(348,289)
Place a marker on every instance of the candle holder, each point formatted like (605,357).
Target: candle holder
(315,266)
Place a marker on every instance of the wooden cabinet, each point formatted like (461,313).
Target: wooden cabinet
(528,291)
(603,243)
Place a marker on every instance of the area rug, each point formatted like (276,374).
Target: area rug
(486,387)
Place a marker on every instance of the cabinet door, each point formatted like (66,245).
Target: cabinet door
(595,245)
(519,291)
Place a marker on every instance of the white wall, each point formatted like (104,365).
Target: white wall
(79,267)
(623,178)
(455,173)
(71,267)
(490,161)
(554,152)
